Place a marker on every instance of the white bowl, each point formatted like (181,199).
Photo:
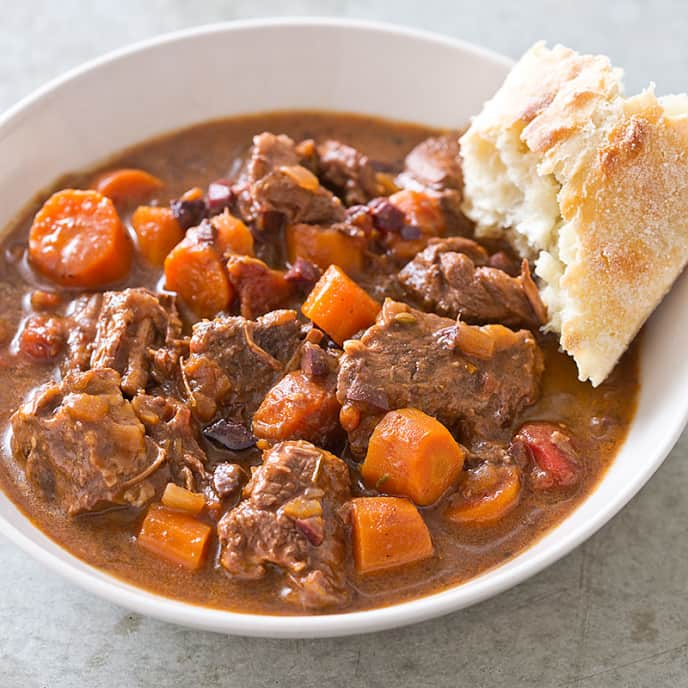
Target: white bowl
(245,67)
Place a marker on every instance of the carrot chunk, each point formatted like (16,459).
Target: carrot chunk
(339,306)
(325,246)
(387,532)
(412,454)
(157,230)
(297,407)
(233,236)
(194,269)
(486,494)
(126,185)
(176,497)
(78,240)
(174,536)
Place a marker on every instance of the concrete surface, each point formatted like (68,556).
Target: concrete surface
(614,613)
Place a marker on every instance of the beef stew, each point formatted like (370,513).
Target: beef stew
(261,365)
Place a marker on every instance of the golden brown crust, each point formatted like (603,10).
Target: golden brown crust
(631,226)
(607,179)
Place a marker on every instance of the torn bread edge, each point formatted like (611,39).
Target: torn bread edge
(590,185)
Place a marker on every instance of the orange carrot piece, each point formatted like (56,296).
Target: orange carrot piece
(414,455)
(78,240)
(325,246)
(174,536)
(233,236)
(176,497)
(126,185)
(297,407)
(339,306)
(387,532)
(157,230)
(194,269)
(486,494)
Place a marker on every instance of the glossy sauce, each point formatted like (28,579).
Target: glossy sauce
(597,418)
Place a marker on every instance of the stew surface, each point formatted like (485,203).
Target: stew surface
(280,377)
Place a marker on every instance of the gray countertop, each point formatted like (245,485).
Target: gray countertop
(613,613)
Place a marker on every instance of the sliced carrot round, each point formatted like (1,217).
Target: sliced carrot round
(78,240)
(157,230)
(127,184)
(486,494)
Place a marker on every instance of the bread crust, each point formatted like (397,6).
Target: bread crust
(617,224)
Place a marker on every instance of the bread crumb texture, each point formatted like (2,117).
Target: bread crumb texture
(590,185)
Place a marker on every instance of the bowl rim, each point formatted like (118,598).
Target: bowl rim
(306,626)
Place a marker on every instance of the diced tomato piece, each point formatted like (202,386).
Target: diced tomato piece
(42,337)
(553,458)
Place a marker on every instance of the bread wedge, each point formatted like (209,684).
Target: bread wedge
(592,186)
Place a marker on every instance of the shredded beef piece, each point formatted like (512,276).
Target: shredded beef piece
(435,163)
(227,479)
(130,331)
(290,518)
(413,359)
(275,182)
(451,277)
(235,361)
(347,172)
(317,363)
(83,445)
(82,316)
(434,166)
(169,423)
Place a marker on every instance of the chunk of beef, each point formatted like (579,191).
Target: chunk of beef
(451,277)
(130,331)
(83,445)
(435,164)
(347,172)
(275,182)
(82,316)
(168,422)
(227,479)
(474,380)
(290,518)
(235,361)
